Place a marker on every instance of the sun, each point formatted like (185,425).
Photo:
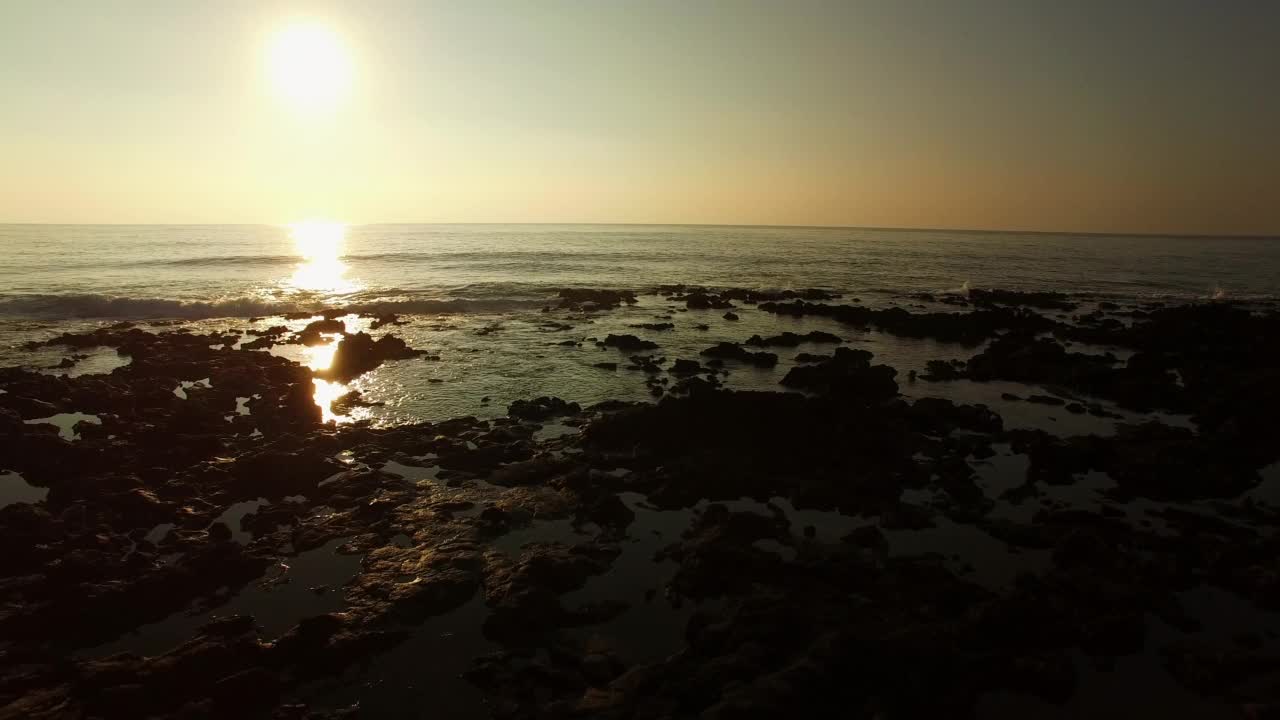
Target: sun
(309,66)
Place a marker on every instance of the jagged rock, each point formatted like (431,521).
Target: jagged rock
(731,351)
(359,353)
(582,298)
(848,373)
(790,339)
(542,408)
(628,343)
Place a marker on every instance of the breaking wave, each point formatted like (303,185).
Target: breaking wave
(398,258)
(88,306)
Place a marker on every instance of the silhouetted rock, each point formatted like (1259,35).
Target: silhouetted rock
(939,370)
(790,339)
(582,298)
(1044,300)
(358,354)
(685,367)
(344,404)
(311,334)
(732,351)
(700,300)
(971,328)
(628,343)
(384,319)
(653,326)
(541,408)
(848,373)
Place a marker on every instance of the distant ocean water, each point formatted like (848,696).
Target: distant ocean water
(115,271)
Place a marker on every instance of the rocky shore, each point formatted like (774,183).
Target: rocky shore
(208,546)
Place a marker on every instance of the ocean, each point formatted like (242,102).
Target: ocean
(474,294)
(481,302)
(148,271)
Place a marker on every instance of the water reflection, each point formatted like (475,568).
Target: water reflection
(322,271)
(320,246)
(320,357)
(326,392)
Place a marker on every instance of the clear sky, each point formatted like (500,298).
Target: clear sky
(1127,116)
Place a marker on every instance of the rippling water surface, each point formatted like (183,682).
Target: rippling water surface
(228,270)
(472,296)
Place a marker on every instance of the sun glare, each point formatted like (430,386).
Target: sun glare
(309,66)
(320,245)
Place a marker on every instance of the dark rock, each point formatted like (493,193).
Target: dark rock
(311,334)
(247,690)
(1043,300)
(848,373)
(731,351)
(1046,400)
(705,301)
(868,537)
(359,353)
(790,339)
(940,370)
(970,328)
(628,343)
(686,367)
(542,408)
(581,298)
(384,319)
(344,404)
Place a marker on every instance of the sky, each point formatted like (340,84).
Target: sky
(1151,116)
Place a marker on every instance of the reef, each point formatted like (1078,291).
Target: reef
(783,584)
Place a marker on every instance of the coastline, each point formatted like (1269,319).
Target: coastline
(854,522)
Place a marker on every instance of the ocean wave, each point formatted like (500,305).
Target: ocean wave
(461,257)
(88,306)
(1137,294)
(477,298)
(479,306)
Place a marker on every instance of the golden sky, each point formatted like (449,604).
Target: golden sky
(1099,117)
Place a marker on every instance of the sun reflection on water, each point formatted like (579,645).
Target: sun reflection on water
(326,392)
(320,245)
(320,357)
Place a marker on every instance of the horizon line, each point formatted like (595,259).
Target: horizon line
(884,228)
